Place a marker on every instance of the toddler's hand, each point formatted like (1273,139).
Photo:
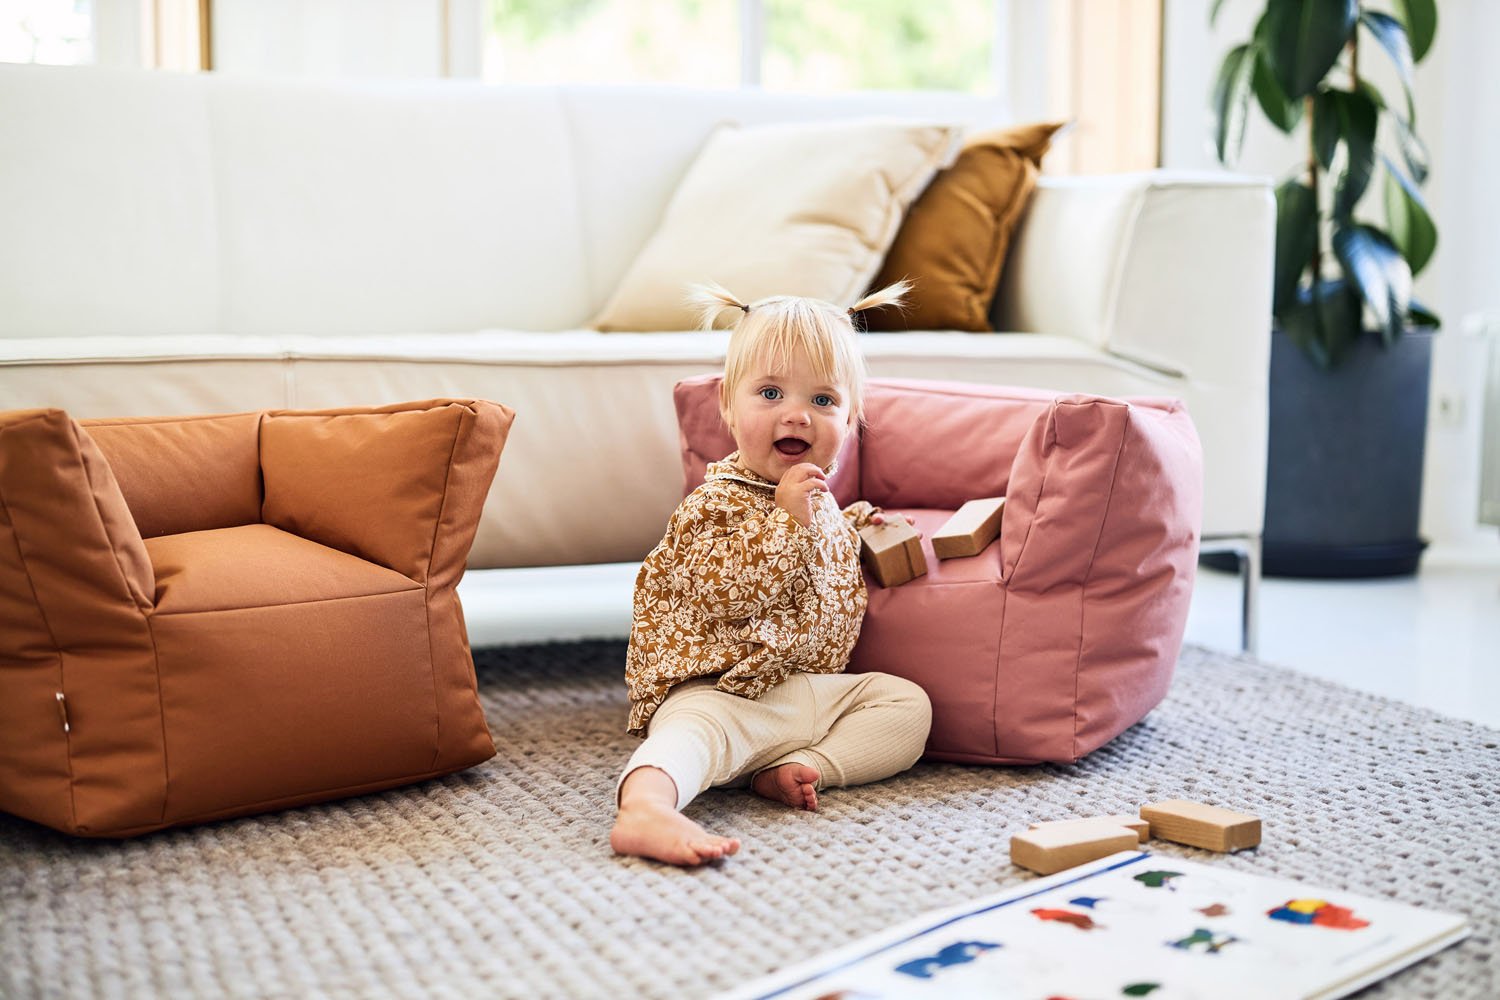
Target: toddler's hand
(880,517)
(794,492)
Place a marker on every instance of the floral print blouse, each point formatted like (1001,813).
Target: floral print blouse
(738,589)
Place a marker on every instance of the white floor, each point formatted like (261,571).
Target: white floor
(1430,640)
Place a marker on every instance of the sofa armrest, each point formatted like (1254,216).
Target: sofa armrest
(1169,270)
(401,486)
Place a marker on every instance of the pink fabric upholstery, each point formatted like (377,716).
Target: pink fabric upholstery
(1065,632)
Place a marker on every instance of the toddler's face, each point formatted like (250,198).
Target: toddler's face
(786,417)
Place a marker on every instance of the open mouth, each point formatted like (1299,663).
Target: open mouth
(791,447)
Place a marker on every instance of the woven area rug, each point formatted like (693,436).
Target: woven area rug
(500,881)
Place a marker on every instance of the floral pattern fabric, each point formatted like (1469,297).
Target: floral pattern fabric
(738,589)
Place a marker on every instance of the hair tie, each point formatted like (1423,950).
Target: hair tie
(744,307)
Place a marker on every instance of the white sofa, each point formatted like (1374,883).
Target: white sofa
(176,244)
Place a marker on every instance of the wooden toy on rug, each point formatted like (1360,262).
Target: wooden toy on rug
(970,529)
(1141,827)
(1200,825)
(892,551)
(1052,847)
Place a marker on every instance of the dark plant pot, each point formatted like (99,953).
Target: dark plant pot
(1344,473)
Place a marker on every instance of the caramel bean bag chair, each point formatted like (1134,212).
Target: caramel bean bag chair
(1063,632)
(212,616)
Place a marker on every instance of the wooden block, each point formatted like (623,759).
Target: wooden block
(970,529)
(1045,851)
(1199,825)
(892,551)
(1141,827)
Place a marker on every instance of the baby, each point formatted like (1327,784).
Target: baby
(745,614)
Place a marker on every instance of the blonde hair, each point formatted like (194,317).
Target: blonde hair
(771,331)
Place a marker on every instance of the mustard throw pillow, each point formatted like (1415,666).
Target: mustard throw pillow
(804,208)
(953,242)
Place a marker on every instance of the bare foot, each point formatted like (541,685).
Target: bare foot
(649,830)
(795,784)
(648,824)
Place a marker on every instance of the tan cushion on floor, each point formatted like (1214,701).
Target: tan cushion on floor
(807,208)
(953,242)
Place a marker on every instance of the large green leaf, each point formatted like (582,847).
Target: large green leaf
(1420,19)
(1325,127)
(1213,12)
(1413,151)
(1296,236)
(1357,121)
(1324,321)
(1282,111)
(1412,228)
(1374,265)
(1306,37)
(1231,99)
(1419,315)
(1392,37)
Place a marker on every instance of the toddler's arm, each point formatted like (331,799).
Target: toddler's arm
(733,563)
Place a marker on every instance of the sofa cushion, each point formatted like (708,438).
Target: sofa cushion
(786,209)
(955,237)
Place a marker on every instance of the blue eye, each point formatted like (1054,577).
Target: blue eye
(823,399)
(770,392)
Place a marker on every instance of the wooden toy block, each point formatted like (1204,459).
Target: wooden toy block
(1199,825)
(970,529)
(1141,827)
(892,551)
(1046,851)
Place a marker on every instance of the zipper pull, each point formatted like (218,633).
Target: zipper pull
(62,711)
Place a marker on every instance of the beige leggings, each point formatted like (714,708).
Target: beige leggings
(852,728)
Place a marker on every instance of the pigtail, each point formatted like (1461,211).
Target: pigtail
(710,299)
(890,295)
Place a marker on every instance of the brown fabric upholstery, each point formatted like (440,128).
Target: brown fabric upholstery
(312,648)
(953,242)
(160,464)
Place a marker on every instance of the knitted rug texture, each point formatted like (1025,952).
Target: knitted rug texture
(500,881)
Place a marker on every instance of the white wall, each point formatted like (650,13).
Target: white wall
(1458,116)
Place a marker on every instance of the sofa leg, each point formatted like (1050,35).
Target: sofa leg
(1246,551)
(1250,596)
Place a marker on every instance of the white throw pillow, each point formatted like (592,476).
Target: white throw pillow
(806,208)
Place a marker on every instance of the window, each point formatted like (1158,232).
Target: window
(803,45)
(53,32)
(690,42)
(1095,62)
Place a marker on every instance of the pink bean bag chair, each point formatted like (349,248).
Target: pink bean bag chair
(1065,631)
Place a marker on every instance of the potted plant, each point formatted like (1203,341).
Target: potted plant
(1351,349)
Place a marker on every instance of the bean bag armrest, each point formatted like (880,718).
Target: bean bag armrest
(1089,460)
(401,486)
(76,591)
